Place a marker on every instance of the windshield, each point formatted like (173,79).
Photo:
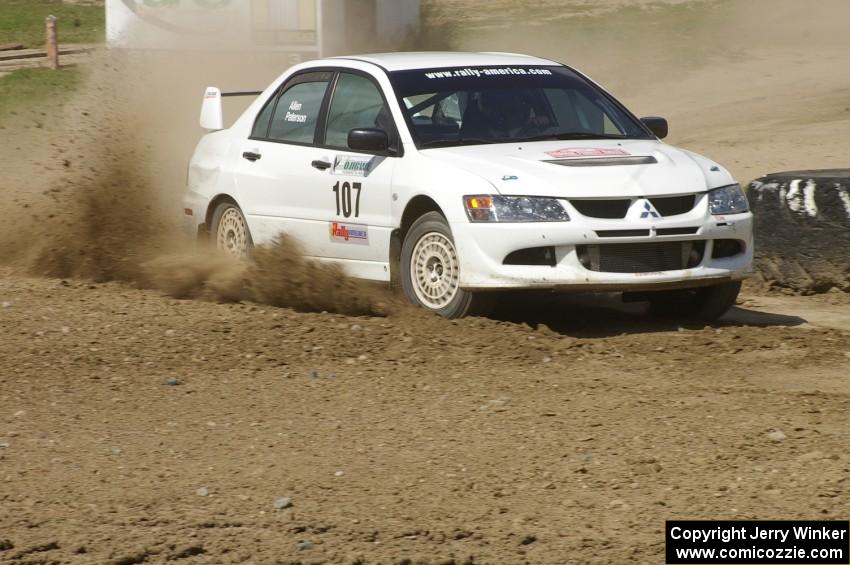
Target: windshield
(478,105)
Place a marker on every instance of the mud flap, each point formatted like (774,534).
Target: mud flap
(395,259)
(802,229)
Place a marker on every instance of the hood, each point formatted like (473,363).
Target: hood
(586,168)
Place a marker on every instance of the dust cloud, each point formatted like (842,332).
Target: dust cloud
(754,85)
(101,199)
(92,189)
(276,274)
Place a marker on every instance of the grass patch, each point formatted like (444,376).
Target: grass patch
(36,90)
(22,21)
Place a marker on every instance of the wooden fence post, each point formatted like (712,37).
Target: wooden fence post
(52,43)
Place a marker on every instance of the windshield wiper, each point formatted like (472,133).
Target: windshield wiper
(568,135)
(544,137)
(456,142)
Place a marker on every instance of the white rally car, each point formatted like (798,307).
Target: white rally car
(460,174)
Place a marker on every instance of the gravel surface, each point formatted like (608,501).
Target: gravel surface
(140,428)
(480,441)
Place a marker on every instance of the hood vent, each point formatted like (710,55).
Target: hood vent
(605,161)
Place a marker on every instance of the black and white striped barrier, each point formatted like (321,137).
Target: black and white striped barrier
(802,229)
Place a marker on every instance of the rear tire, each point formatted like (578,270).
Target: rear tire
(430,271)
(229,231)
(706,304)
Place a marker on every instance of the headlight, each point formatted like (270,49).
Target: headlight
(728,200)
(514,209)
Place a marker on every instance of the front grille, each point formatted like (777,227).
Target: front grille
(674,205)
(651,257)
(603,209)
(616,209)
(676,231)
(622,233)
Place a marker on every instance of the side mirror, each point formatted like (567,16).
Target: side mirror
(369,139)
(656,125)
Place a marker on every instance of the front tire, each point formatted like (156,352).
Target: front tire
(430,270)
(706,304)
(230,233)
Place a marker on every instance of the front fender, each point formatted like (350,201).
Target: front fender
(445,184)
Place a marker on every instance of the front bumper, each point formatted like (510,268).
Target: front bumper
(483,247)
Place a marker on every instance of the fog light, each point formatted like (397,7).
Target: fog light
(724,248)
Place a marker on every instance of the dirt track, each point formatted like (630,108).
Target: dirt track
(475,441)
(138,428)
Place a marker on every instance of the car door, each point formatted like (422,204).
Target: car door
(275,177)
(355,207)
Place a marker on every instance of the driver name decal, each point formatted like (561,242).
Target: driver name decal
(579,152)
(291,116)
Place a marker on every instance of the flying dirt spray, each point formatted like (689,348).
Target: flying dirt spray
(102,206)
(97,184)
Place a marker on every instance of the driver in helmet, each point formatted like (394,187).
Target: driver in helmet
(507,113)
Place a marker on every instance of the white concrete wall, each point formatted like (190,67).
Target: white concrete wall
(191,24)
(346,26)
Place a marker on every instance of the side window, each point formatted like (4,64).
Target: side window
(449,111)
(297,112)
(589,114)
(261,126)
(575,112)
(357,103)
(565,112)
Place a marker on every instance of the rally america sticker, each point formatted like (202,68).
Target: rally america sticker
(352,166)
(349,233)
(580,152)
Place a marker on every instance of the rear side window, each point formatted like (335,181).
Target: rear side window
(297,112)
(357,103)
(261,126)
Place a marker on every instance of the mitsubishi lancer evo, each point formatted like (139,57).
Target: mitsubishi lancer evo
(463,174)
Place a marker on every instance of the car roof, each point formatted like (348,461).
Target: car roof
(444,59)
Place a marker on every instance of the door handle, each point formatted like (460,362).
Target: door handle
(251,156)
(321,165)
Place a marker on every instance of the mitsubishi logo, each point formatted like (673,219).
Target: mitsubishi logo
(648,211)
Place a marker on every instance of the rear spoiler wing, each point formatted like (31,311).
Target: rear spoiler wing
(212,114)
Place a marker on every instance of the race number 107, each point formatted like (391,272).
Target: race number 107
(345,204)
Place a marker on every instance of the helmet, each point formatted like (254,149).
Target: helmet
(504,110)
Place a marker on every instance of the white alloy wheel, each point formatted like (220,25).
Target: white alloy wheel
(430,270)
(232,234)
(434,270)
